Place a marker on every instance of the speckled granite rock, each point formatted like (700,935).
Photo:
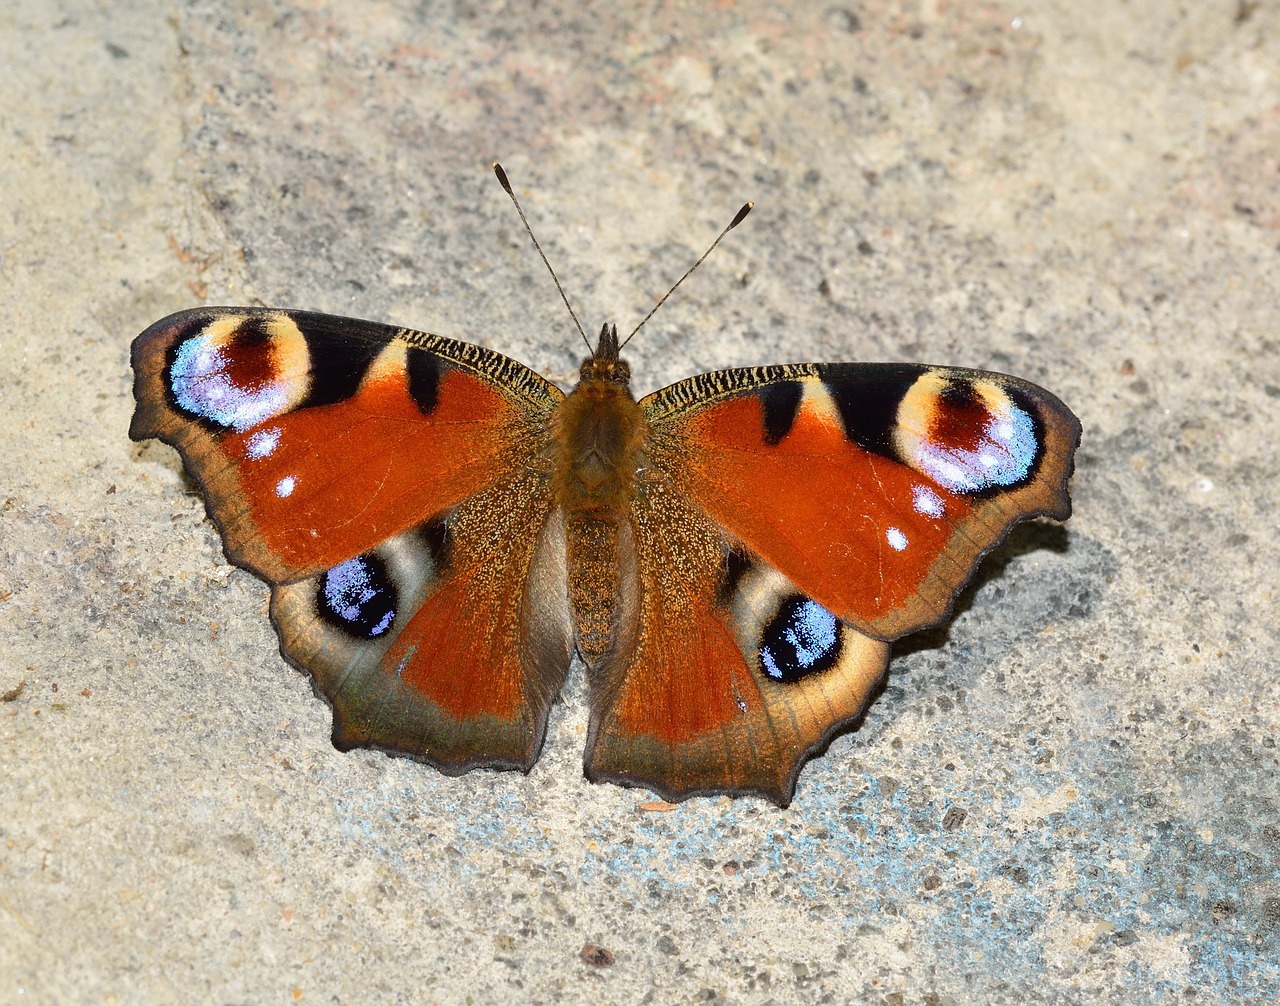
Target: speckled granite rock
(1067,795)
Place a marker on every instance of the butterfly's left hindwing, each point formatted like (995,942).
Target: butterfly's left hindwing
(448,642)
(393,488)
(793,519)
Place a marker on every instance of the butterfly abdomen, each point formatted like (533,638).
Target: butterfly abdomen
(600,435)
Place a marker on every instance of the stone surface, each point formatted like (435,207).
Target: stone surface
(1067,795)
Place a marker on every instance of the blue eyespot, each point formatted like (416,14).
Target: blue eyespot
(802,639)
(226,382)
(358,597)
(1003,455)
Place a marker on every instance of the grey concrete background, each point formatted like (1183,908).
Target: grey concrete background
(1067,795)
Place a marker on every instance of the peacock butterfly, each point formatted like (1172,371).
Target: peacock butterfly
(730,556)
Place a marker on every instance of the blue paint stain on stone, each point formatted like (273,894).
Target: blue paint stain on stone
(1102,894)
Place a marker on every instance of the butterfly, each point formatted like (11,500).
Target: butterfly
(442,528)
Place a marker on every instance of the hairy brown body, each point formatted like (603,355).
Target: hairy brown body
(600,436)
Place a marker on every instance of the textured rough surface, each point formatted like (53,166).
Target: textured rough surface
(1066,795)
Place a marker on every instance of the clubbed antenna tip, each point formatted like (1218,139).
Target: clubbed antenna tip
(740,216)
(506,187)
(502,178)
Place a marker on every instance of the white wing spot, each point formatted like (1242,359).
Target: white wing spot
(927,501)
(263,443)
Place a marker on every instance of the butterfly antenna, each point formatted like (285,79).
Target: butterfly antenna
(506,186)
(738,218)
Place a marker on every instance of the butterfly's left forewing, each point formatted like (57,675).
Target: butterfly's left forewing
(315,437)
(393,488)
(793,519)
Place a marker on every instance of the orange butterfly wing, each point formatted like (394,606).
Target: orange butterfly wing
(388,483)
(796,517)
(308,432)
(680,705)
(876,487)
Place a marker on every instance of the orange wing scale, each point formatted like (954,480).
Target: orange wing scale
(679,694)
(816,506)
(468,624)
(356,473)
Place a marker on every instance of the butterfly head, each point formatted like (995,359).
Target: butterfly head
(604,364)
